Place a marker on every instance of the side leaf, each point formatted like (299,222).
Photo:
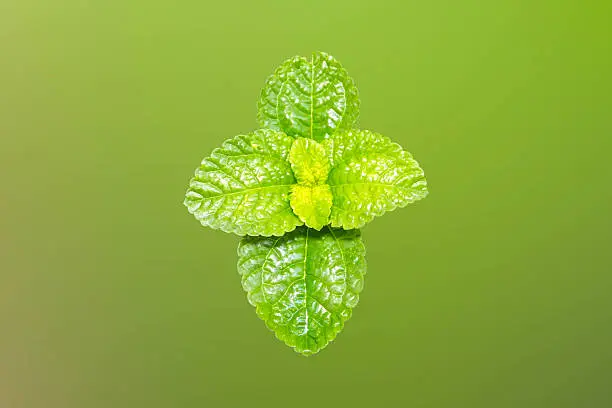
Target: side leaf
(305,284)
(244,186)
(309,98)
(369,176)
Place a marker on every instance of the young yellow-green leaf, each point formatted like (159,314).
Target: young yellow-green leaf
(244,186)
(312,204)
(304,284)
(309,162)
(309,98)
(370,175)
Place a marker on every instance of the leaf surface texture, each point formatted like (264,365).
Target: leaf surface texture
(244,186)
(309,98)
(369,176)
(304,284)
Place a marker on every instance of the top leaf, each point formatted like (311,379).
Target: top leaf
(309,98)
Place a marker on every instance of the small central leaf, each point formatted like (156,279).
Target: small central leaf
(311,199)
(312,204)
(309,162)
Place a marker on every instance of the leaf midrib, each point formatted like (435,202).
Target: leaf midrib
(343,260)
(245,191)
(305,283)
(367,184)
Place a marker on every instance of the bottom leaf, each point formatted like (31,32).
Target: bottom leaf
(304,284)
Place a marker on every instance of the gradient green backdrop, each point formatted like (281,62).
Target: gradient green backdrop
(494,292)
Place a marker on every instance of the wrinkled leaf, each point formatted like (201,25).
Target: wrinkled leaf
(312,204)
(244,186)
(304,284)
(369,176)
(309,162)
(309,98)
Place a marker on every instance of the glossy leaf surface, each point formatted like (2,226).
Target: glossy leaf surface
(309,98)
(369,176)
(244,186)
(304,284)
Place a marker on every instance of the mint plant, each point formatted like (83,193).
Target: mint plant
(298,190)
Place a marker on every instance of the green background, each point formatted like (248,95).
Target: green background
(495,291)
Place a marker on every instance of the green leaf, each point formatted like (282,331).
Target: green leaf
(244,186)
(312,204)
(304,284)
(309,98)
(309,162)
(369,176)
